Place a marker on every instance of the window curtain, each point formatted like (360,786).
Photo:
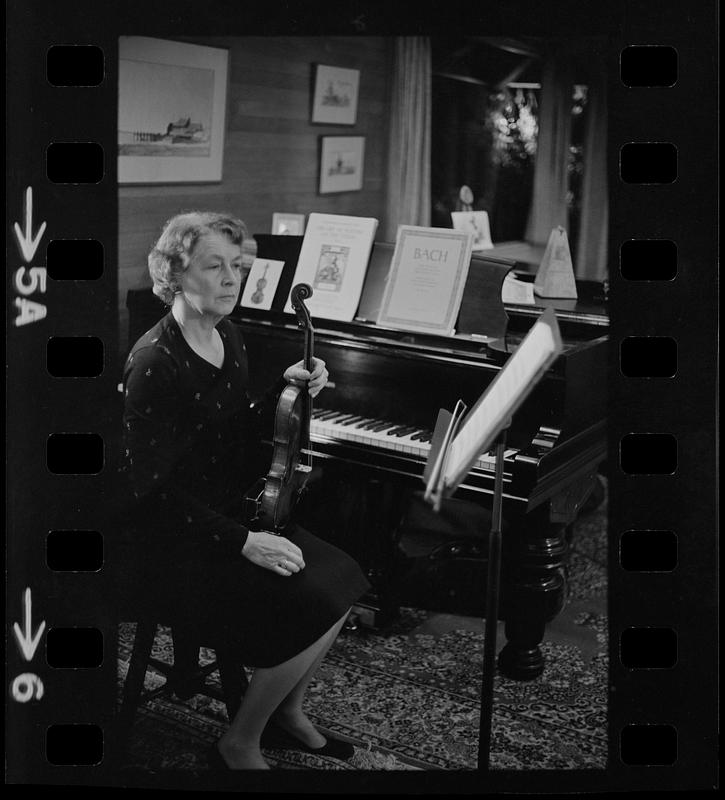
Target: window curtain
(409,150)
(591,260)
(548,203)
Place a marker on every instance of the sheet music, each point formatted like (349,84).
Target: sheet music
(333,260)
(426,281)
(440,448)
(516,291)
(507,391)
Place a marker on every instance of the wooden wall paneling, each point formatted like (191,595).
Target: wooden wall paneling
(271,152)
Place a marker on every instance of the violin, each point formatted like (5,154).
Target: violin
(287,475)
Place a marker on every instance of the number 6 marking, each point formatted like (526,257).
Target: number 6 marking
(26,686)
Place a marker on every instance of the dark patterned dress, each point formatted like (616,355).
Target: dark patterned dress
(191,450)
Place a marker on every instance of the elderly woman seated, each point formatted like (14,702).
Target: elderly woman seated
(189,440)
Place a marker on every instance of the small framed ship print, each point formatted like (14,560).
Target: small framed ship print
(335,98)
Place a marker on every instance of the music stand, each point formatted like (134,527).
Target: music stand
(455,448)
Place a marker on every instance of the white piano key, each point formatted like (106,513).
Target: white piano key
(400,444)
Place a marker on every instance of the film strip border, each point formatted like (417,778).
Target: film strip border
(61,376)
(662,457)
(647,649)
(661,431)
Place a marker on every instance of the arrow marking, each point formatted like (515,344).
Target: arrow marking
(28,643)
(28,244)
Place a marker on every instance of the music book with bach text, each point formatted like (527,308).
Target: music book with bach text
(426,280)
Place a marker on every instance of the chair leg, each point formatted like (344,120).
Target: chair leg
(185,677)
(133,685)
(232,677)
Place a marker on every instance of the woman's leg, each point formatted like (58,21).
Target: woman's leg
(268,687)
(289,714)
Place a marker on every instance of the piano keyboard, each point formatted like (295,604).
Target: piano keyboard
(392,436)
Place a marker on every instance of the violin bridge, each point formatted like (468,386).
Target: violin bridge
(303,468)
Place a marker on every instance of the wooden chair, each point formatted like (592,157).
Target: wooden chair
(185,677)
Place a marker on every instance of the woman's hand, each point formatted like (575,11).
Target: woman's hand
(316,381)
(273,552)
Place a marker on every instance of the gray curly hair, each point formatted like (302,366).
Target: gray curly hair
(172,252)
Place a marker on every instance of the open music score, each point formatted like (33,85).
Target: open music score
(461,443)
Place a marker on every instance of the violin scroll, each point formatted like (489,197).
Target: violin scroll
(302,291)
(298,295)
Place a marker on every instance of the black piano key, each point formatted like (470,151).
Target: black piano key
(401,430)
(394,431)
(337,416)
(327,414)
(383,426)
(351,420)
(405,431)
(371,424)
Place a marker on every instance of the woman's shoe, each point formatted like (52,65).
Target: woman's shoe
(276,737)
(335,748)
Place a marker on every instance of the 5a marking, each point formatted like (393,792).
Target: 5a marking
(28,280)
(27,686)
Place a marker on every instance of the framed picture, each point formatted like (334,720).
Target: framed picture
(261,284)
(476,223)
(335,97)
(288,224)
(341,164)
(171,106)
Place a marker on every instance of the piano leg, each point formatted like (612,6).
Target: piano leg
(383,510)
(535,584)
(534,590)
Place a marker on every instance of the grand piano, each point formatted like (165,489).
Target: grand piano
(371,428)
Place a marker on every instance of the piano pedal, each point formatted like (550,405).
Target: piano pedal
(374,613)
(352,623)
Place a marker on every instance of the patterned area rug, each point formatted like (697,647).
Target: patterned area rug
(410,700)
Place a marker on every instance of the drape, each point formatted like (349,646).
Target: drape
(409,151)
(591,259)
(548,203)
